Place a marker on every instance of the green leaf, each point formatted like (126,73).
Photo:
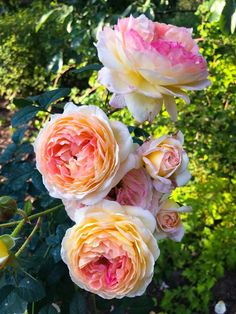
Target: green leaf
(19,134)
(78,304)
(37,181)
(28,207)
(8,208)
(24,115)
(51,96)
(48,309)
(137,140)
(18,174)
(21,103)
(90,67)
(10,302)
(30,290)
(216,8)
(141,132)
(43,19)
(8,153)
(227,18)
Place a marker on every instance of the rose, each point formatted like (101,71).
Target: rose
(111,249)
(166,161)
(169,223)
(134,189)
(4,254)
(82,155)
(6,244)
(147,63)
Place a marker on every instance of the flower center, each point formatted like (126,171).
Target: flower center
(168,220)
(105,273)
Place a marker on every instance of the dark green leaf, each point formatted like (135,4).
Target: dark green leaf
(48,309)
(78,304)
(140,132)
(37,180)
(137,140)
(56,253)
(43,19)
(47,98)
(90,67)
(30,290)
(21,102)
(19,134)
(8,153)
(227,23)
(18,174)
(24,115)
(10,302)
(131,128)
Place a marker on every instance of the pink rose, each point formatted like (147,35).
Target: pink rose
(169,223)
(134,189)
(111,250)
(147,64)
(166,162)
(82,155)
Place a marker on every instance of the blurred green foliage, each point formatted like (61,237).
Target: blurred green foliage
(48,45)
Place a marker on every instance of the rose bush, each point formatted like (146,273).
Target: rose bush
(111,250)
(166,161)
(147,64)
(82,155)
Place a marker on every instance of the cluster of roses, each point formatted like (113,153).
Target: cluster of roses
(115,191)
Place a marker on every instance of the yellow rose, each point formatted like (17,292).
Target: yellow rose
(166,161)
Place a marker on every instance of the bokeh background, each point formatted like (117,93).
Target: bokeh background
(47,45)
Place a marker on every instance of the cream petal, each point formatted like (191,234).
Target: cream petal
(106,47)
(72,109)
(114,81)
(163,185)
(178,234)
(171,107)
(123,139)
(180,137)
(117,101)
(144,215)
(182,178)
(198,85)
(184,209)
(142,107)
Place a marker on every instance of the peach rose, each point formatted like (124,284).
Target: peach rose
(166,161)
(82,155)
(111,250)
(147,64)
(169,223)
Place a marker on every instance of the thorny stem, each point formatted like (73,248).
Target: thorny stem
(29,237)
(18,228)
(21,222)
